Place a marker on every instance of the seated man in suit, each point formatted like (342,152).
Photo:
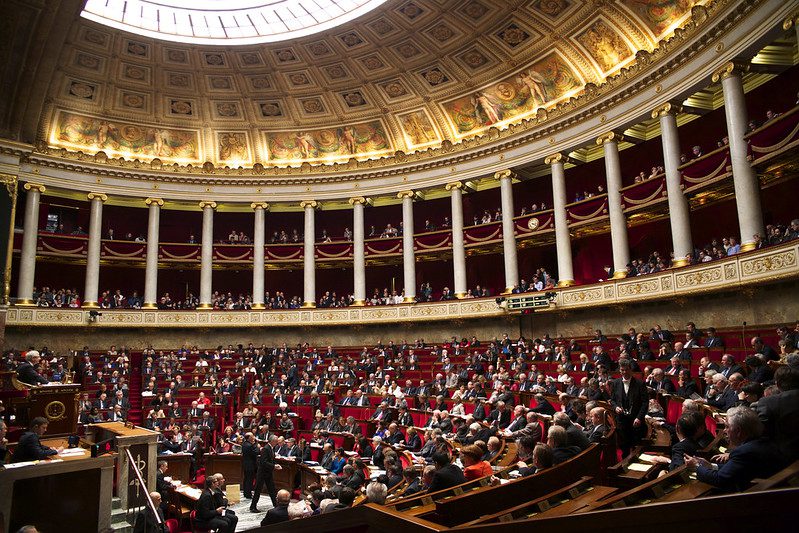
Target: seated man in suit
(752,456)
(447,474)
(279,513)
(210,512)
(29,448)
(721,395)
(558,440)
(712,341)
(597,424)
(146,521)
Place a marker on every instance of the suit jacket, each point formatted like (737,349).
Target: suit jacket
(596,433)
(446,477)
(665,385)
(728,371)
(502,418)
(249,456)
(412,488)
(532,430)
(146,522)
(576,437)
(30,449)
(356,481)
(266,461)
(725,400)
(757,458)
(27,374)
(635,402)
(414,443)
(678,451)
(564,453)
(780,416)
(714,342)
(206,508)
(276,515)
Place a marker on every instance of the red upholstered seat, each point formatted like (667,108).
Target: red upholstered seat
(194,528)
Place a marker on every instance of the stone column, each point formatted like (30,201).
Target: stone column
(258,252)
(408,255)
(505,178)
(151,271)
(90,293)
(27,259)
(207,255)
(618,222)
(563,245)
(309,250)
(458,250)
(747,186)
(679,212)
(358,252)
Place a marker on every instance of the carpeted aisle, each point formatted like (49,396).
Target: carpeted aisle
(248,520)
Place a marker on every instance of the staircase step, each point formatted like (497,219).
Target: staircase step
(116,503)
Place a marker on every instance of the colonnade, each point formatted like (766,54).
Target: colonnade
(747,195)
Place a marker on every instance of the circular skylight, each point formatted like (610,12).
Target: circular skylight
(225,21)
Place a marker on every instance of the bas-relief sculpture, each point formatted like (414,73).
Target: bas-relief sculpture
(605,46)
(82,132)
(365,139)
(544,83)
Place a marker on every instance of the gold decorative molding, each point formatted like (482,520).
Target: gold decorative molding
(259,205)
(729,69)
(207,203)
(97,196)
(305,204)
(454,185)
(157,201)
(34,186)
(665,109)
(357,200)
(554,158)
(609,137)
(405,194)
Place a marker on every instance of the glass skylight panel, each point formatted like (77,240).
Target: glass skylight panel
(231,21)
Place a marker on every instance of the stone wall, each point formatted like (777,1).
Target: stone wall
(762,305)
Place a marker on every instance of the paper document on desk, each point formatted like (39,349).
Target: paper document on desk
(72,452)
(639,467)
(647,458)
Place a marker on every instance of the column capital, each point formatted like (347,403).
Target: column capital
(207,203)
(34,186)
(360,200)
(728,70)
(259,205)
(664,110)
(157,201)
(454,185)
(406,194)
(503,174)
(790,22)
(554,158)
(305,204)
(97,196)
(609,137)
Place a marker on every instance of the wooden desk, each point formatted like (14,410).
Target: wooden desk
(73,494)
(227,464)
(179,466)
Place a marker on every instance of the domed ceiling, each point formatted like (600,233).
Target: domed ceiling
(403,77)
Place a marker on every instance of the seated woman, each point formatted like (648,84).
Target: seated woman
(339,460)
(473,465)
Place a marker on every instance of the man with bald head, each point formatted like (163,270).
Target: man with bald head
(148,522)
(280,513)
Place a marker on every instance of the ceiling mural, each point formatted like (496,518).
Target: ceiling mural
(404,77)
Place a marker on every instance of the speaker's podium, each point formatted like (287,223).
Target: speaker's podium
(117,437)
(56,402)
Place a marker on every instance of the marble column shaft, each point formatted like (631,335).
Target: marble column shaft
(151,268)
(510,260)
(27,260)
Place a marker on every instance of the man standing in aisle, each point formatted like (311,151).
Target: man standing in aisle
(249,460)
(630,399)
(266,469)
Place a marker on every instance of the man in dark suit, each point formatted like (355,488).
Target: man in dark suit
(266,468)
(249,463)
(722,395)
(412,479)
(630,399)
(574,435)
(27,373)
(353,478)
(712,341)
(598,428)
(780,412)
(729,366)
(29,448)
(208,514)
(752,456)
(500,416)
(661,383)
(542,406)
(146,521)
(162,486)
(279,513)
(686,429)
(447,474)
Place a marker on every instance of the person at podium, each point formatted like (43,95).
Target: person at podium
(29,447)
(27,372)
